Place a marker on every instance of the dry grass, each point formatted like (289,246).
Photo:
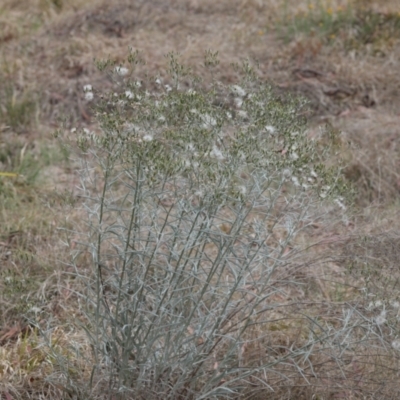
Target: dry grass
(47,49)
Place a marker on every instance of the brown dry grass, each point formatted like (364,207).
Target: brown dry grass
(47,51)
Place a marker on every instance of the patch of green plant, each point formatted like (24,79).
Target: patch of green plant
(22,218)
(47,6)
(23,271)
(379,30)
(27,161)
(30,359)
(16,289)
(17,109)
(354,27)
(320,21)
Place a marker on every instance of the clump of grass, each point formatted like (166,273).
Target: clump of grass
(16,286)
(372,168)
(24,224)
(55,4)
(319,20)
(17,107)
(28,358)
(378,30)
(352,27)
(24,164)
(195,207)
(373,258)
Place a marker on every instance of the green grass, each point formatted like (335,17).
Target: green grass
(354,28)
(24,222)
(17,109)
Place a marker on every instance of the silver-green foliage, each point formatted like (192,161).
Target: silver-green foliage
(184,194)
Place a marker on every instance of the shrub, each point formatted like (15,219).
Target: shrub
(196,198)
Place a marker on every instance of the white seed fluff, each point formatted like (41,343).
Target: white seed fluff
(216,153)
(121,71)
(147,138)
(271,129)
(396,345)
(129,94)
(239,90)
(89,96)
(381,319)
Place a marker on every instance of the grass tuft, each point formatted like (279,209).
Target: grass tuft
(352,28)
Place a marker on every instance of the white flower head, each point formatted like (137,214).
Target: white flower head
(242,114)
(238,102)
(199,193)
(381,318)
(131,128)
(340,204)
(129,94)
(287,173)
(324,191)
(242,189)
(271,129)
(121,71)
(396,345)
(147,138)
(238,90)
(216,153)
(374,304)
(158,81)
(87,88)
(208,121)
(395,304)
(89,96)
(295,181)
(190,147)
(168,88)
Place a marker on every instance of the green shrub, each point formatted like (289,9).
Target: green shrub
(194,208)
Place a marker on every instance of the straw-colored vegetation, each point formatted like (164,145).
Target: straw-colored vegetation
(240,273)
